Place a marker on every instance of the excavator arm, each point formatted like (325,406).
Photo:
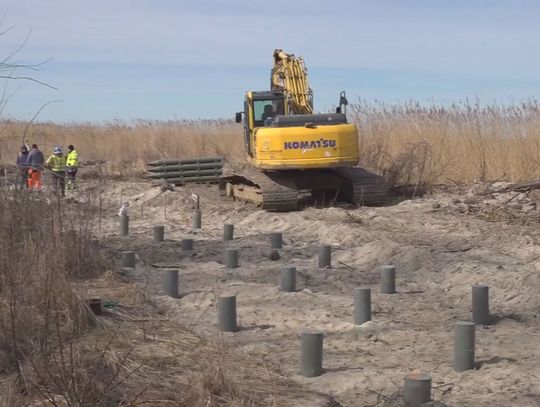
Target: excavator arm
(289,75)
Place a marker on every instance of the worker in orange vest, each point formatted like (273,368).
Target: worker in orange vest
(35,166)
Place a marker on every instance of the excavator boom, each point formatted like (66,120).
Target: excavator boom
(289,75)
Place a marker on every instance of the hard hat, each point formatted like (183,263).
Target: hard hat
(57,150)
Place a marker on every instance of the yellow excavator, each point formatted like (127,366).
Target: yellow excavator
(298,156)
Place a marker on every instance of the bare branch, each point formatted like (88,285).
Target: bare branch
(34,117)
(7,65)
(16,49)
(5,98)
(27,78)
(32,67)
(7,29)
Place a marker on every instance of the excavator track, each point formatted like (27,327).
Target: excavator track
(277,196)
(268,190)
(366,188)
(285,191)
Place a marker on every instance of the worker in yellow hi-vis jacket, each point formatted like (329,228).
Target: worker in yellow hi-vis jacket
(57,164)
(72,163)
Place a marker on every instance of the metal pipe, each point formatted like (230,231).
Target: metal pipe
(231,258)
(196,160)
(185,167)
(276,240)
(417,389)
(182,180)
(124,225)
(159,233)
(196,221)
(388,279)
(464,337)
(325,256)
(288,280)
(128,259)
(170,282)
(185,174)
(228,232)
(362,305)
(227,313)
(480,304)
(187,244)
(311,353)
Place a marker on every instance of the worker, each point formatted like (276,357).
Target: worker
(22,165)
(35,166)
(268,113)
(72,163)
(57,164)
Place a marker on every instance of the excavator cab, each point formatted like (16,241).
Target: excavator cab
(259,106)
(265,110)
(276,138)
(260,109)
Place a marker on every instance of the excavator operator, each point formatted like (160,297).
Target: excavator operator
(268,113)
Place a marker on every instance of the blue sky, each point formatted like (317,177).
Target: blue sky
(164,59)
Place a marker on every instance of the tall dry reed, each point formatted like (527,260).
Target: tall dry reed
(460,143)
(131,143)
(408,143)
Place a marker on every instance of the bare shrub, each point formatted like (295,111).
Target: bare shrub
(44,249)
(55,352)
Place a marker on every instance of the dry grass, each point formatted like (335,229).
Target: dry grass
(55,352)
(175,367)
(408,143)
(44,248)
(128,145)
(462,143)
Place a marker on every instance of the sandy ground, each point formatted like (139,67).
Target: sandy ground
(439,252)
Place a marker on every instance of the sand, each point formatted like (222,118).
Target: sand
(440,245)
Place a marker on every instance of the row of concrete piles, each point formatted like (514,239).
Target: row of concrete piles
(417,386)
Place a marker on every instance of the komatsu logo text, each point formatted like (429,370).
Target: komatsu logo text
(304,145)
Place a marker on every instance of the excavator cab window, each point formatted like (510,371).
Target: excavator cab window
(264,110)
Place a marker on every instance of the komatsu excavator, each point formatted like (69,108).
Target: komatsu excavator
(297,156)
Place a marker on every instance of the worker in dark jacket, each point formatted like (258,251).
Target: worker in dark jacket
(35,166)
(22,165)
